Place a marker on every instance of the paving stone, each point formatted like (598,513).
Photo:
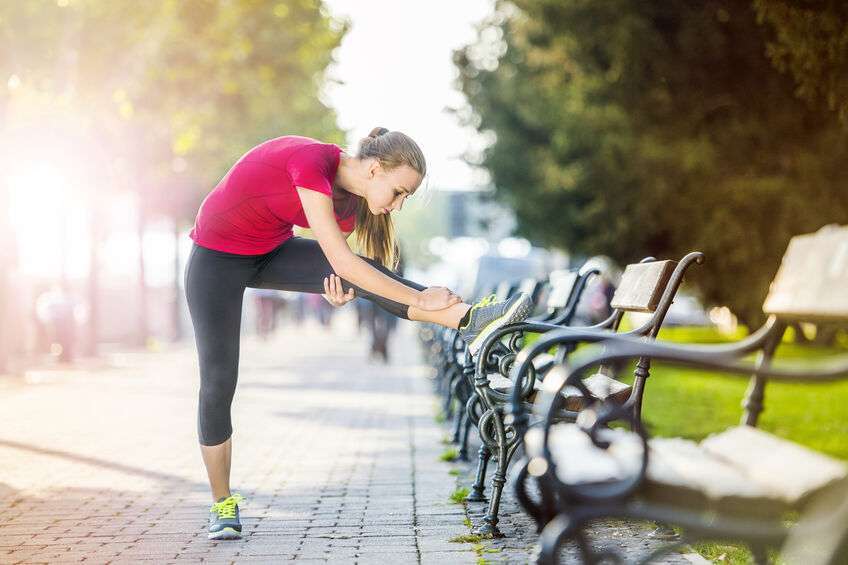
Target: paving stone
(337,457)
(445,557)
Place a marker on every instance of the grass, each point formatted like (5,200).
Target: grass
(454,472)
(723,553)
(467,538)
(439,416)
(458,495)
(480,549)
(449,454)
(693,404)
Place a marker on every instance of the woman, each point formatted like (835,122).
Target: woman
(243,238)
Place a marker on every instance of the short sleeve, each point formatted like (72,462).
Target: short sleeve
(312,166)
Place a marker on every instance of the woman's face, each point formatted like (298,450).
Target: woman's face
(387,190)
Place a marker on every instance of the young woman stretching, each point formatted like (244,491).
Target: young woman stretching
(243,238)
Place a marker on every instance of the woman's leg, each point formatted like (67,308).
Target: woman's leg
(215,284)
(300,265)
(449,317)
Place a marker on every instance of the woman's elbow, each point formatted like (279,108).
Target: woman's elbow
(343,266)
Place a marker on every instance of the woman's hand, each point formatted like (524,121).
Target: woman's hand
(437,298)
(333,292)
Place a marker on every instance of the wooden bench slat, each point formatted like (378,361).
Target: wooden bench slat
(742,466)
(791,470)
(683,463)
(528,286)
(812,282)
(562,283)
(600,386)
(579,461)
(642,285)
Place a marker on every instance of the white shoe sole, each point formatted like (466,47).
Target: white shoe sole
(516,313)
(225,533)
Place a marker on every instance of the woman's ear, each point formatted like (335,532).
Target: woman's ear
(373,168)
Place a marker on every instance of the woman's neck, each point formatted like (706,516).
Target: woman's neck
(347,173)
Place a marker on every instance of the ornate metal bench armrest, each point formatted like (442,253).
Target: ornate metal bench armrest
(484,360)
(574,336)
(619,349)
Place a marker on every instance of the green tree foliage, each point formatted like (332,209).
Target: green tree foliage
(811,43)
(232,74)
(174,91)
(653,128)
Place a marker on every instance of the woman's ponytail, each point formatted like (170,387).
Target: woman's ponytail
(375,234)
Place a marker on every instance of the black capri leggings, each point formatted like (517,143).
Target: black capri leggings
(215,283)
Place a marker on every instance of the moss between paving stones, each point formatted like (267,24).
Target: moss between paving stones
(459,495)
(449,455)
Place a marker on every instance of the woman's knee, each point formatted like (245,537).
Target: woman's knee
(214,410)
(217,387)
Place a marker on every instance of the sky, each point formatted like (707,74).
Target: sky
(396,69)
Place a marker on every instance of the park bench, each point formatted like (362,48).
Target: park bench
(561,295)
(446,352)
(738,485)
(649,286)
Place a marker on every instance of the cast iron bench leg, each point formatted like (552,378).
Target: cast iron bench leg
(478,490)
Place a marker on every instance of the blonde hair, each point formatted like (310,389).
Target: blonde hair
(375,234)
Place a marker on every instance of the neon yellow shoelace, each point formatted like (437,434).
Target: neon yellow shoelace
(227,507)
(486,301)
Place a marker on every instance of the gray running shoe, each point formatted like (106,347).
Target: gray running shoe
(487,316)
(224,518)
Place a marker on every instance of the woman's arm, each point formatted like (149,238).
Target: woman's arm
(348,265)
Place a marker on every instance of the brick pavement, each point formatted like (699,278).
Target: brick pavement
(337,457)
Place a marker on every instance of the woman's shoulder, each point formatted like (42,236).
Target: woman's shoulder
(288,145)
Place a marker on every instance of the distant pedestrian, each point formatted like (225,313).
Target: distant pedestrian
(56,311)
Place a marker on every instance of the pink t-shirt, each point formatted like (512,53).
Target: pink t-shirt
(253,208)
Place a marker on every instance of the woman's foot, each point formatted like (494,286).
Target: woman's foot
(487,316)
(224,520)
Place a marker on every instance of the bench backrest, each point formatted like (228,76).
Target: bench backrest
(504,290)
(561,285)
(642,285)
(531,286)
(812,282)
(528,285)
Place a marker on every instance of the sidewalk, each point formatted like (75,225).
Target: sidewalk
(337,457)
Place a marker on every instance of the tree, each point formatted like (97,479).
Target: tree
(652,128)
(811,44)
(171,92)
(228,76)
